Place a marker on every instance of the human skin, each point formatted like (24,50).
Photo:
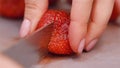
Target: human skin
(6,62)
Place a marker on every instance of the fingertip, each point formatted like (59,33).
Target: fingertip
(91,45)
(81,46)
(25,28)
(78,49)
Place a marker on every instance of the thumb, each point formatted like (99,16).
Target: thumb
(34,10)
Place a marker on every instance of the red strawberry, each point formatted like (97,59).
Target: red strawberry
(12,8)
(59,43)
(115,13)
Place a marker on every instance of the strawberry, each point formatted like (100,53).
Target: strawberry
(115,13)
(12,8)
(59,43)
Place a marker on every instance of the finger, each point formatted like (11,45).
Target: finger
(34,9)
(80,13)
(6,62)
(101,13)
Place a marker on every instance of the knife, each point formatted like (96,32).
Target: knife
(30,50)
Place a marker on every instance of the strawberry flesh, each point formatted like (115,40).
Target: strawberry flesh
(59,43)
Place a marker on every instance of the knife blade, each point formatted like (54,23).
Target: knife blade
(29,51)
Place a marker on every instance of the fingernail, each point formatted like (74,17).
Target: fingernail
(81,46)
(91,45)
(25,28)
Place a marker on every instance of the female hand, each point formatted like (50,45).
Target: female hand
(89,18)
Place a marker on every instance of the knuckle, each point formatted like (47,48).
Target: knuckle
(80,22)
(32,4)
(99,24)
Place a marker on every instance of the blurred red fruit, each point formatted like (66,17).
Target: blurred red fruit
(115,12)
(12,8)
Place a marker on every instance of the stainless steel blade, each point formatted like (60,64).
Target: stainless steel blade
(42,36)
(29,51)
